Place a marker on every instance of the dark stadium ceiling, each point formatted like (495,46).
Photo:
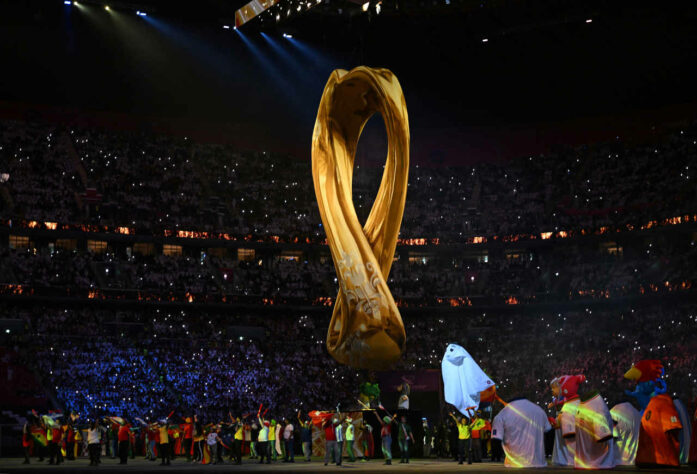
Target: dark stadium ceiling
(352,22)
(468,67)
(494,17)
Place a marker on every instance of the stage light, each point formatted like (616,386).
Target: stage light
(365,6)
(590,20)
(485,40)
(286,35)
(140,13)
(226,27)
(106,7)
(67,2)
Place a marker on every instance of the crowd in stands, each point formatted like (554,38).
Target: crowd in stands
(143,360)
(131,362)
(43,182)
(560,274)
(155,183)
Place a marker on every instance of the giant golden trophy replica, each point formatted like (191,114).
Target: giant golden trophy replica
(366,330)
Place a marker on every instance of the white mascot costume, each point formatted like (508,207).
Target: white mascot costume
(463,380)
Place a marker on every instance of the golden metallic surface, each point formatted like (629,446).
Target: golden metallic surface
(366,329)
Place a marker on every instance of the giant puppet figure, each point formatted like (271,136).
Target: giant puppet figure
(659,435)
(366,329)
(463,380)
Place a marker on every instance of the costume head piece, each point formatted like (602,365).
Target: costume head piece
(568,385)
(386,419)
(644,371)
(648,375)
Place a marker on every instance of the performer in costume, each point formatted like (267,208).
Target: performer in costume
(659,435)
(350,438)
(123,438)
(171,438)
(329,441)
(404,390)
(113,439)
(404,435)
(565,401)
(188,429)
(39,437)
(238,428)
(627,426)
(520,426)
(386,435)
(153,440)
(26,441)
(288,440)
(368,393)
(53,437)
(595,445)
(463,380)
(264,442)
(272,440)
(367,440)
(464,435)
(428,437)
(70,440)
(198,438)
(263,438)
(339,429)
(94,438)
(660,423)
(477,425)
(163,447)
(306,437)
(685,433)
(253,440)
(280,445)
(212,440)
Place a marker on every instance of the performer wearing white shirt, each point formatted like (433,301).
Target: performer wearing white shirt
(565,435)
(627,425)
(521,426)
(595,446)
